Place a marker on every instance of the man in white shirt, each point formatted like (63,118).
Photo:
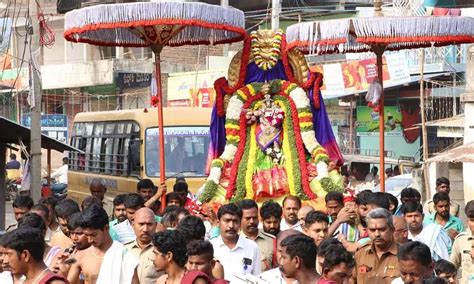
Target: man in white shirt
(238,255)
(61,177)
(432,235)
(124,232)
(291,206)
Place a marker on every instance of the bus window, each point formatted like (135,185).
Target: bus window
(185,149)
(106,147)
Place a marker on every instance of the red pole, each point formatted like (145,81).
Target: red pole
(379,54)
(161,134)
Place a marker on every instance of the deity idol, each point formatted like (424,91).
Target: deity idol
(270,133)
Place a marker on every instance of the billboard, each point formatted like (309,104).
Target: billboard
(368,121)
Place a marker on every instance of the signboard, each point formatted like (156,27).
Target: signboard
(368,121)
(14,78)
(192,89)
(133,80)
(355,76)
(52,125)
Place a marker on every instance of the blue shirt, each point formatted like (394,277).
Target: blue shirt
(453,223)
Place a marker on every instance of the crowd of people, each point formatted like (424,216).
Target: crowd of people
(364,238)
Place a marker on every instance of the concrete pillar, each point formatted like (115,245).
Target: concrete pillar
(468,99)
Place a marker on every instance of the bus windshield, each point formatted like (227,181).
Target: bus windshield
(186,149)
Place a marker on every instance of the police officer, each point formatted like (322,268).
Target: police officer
(462,253)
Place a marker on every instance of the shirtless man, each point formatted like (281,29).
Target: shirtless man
(95,263)
(24,249)
(64,209)
(170,256)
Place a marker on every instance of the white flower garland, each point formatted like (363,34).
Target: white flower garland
(301,101)
(229,153)
(234,108)
(215,175)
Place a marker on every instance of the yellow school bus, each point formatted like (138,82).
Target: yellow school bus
(121,147)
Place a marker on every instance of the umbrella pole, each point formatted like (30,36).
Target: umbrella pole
(379,53)
(161,134)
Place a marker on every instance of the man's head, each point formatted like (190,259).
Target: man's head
(182,189)
(146,189)
(338,265)
(297,255)
(400,230)
(249,217)
(316,226)
(12,156)
(144,225)
(98,189)
(24,247)
(41,210)
(380,227)
(414,261)
(271,216)
(442,185)
(76,232)
(283,235)
(441,204)
(469,210)
(133,202)
(65,160)
(33,220)
(95,223)
(413,214)
(446,270)
(64,209)
(323,249)
(21,206)
(169,249)
(378,200)
(172,216)
(361,201)
(291,205)
(174,199)
(334,203)
(89,201)
(393,203)
(200,256)
(410,194)
(119,208)
(303,212)
(229,216)
(50,202)
(191,228)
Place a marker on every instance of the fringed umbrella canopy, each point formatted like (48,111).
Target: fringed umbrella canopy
(394,33)
(379,34)
(146,24)
(155,25)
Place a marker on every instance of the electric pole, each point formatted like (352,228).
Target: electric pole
(35,62)
(276,11)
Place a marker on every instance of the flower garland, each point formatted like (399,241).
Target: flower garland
(266,63)
(238,135)
(212,183)
(251,162)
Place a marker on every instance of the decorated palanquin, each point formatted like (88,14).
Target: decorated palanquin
(270,133)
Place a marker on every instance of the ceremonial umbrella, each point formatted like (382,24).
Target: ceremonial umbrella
(377,35)
(155,25)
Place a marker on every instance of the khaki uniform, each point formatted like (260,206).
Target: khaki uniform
(370,269)
(146,271)
(266,246)
(428,208)
(461,254)
(108,205)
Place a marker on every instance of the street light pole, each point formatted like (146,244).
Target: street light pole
(35,62)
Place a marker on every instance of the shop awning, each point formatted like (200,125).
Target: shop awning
(12,132)
(461,154)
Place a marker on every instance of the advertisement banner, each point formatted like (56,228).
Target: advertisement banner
(368,121)
(193,89)
(355,76)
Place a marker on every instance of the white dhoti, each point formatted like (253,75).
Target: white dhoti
(118,265)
